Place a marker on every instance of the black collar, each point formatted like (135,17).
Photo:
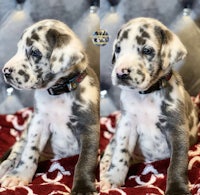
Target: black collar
(67,84)
(160,84)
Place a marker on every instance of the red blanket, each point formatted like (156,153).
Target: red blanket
(55,177)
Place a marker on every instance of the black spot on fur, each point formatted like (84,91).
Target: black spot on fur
(146,26)
(124,150)
(24,66)
(29,42)
(34,148)
(48,77)
(140,40)
(163,36)
(40,28)
(56,39)
(18,81)
(39,72)
(124,34)
(141,30)
(35,36)
(139,72)
(126,163)
(35,160)
(24,74)
(145,35)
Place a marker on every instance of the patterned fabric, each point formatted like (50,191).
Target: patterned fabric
(55,177)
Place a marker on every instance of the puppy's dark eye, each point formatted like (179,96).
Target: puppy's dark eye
(36,53)
(117,48)
(147,50)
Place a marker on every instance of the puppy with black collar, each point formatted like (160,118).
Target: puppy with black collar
(158,119)
(51,60)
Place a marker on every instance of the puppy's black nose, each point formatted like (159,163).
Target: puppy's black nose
(7,72)
(123,74)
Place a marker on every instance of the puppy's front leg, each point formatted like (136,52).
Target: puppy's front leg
(84,176)
(125,138)
(14,157)
(177,179)
(24,171)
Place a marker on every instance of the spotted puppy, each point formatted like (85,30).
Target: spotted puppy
(158,118)
(51,60)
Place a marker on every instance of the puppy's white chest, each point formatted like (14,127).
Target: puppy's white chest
(151,144)
(57,112)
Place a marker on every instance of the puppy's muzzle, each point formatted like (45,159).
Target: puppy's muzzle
(123,74)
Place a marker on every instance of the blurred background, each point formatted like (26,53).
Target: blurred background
(87,16)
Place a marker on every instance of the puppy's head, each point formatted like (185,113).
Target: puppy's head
(46,50)
(144,51)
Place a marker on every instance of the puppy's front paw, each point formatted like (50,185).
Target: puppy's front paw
(106,184)
(178,193)
(84,193)
(176,189)
(84,188)
(13,181)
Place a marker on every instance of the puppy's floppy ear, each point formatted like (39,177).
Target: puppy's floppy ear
(113,58)
(65,51)
(172,49)
(113,52)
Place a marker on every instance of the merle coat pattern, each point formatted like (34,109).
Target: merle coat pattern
(63,125)
(158,118)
